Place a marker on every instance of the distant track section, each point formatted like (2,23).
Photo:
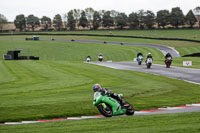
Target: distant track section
(64,34)
(163,49)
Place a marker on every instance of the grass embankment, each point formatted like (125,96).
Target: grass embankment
(53,89)
(188,50)
(71,51)
(74,51)
(172,123)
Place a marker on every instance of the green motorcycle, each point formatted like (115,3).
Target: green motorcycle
(109,107)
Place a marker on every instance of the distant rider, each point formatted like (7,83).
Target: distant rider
(88,58)
(97,88)
(139,53)
(149,56)
(168,55)
(139,58)
(168,60)
(100,57)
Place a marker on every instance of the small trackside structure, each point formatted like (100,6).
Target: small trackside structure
(35,38)
(14,55)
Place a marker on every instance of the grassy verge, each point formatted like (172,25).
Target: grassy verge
(180,33)
(188,50)
(173,123)
(54,89)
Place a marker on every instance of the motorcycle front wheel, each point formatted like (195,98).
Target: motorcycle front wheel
(107,112)
(130,109)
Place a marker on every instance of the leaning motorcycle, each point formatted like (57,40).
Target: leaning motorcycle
(109,107)
(140,59)
(149,63)
(168,62)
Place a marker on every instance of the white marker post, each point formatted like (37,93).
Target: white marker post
(187,63)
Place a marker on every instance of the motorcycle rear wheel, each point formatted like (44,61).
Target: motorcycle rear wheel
(107,112)
(148,66)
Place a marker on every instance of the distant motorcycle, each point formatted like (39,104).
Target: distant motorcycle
(149,63)
(108,106)
(140,59)
(168,62)
(88,59)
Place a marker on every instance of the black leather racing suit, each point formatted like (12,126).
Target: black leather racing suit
(113,95)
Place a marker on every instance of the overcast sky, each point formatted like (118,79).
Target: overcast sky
(11,8)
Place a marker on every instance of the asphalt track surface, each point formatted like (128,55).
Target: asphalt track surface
(186,74)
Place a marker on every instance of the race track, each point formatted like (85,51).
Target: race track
(186,74)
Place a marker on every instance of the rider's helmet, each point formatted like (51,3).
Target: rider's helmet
(96,87)
(149,54)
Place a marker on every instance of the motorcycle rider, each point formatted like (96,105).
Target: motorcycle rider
(139,53)
(139,58)
(100,57)
(148,56)
(88,58)
(97,88)
(168,60)
(168,55)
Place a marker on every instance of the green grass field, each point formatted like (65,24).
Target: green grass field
(43,89)
(73,51)
(59,85)
(50,89)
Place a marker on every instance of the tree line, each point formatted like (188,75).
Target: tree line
(93,20)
